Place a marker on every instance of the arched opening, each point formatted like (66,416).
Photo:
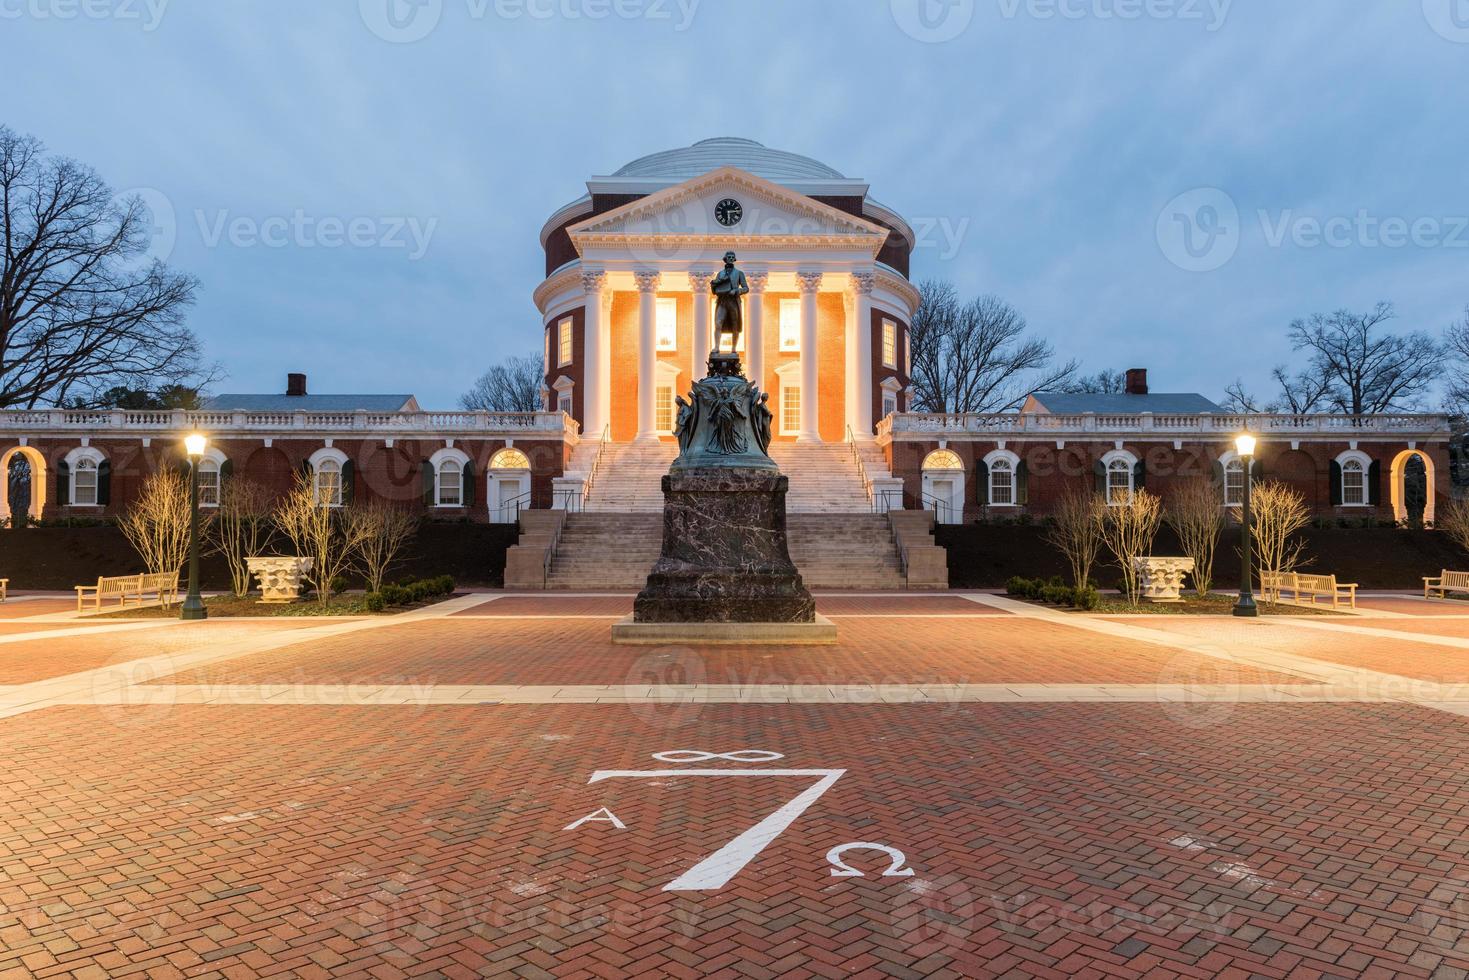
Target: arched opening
(1412,477)
(509,486)
(943,486)
(23,487)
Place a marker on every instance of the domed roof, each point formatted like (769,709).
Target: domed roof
(728,151)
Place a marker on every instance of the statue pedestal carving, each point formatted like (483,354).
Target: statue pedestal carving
(725,574)
(1161,579)
(279,577)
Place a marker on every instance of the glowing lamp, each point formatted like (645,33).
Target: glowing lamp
(194,445)
(1244,444)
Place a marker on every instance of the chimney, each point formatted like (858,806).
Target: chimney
(1137,381)
(296,384)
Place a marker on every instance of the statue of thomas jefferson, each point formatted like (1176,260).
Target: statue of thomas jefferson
(729,318)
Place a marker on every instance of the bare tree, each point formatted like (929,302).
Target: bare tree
(1239,401)
(511,386)
(318,532)
(1456,344)
(1453,520)
(1076,531)
(1303,394)
(1128,531)
(384,530)
(1356,367)
(974,356)
(242,527)
(1195,511)
(157,522)
(78,314)
(1104,382)
(1277,513)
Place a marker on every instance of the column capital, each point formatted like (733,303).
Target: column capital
(808,282)
(593,280)
(647,280)
(758,280)
(863,282)
(699,280)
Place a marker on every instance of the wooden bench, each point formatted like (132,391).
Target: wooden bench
(1446,582)
(165,585)
(4,588)
(1306,588)
(121,587)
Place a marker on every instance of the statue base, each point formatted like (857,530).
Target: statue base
(725,556)
(629,632)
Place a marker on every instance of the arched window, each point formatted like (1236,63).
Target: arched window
(209,470)
(328,474)
(1353,483)
(1234,483)
(1002,483)
(451,483)
(1119,482)
(943,459)
(84,483)
(510,459)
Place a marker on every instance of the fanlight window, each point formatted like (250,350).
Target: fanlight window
(84,483)
(510,459)
(1002,482)
(1119,482)
(208,483)
(943,459)
(1234,483)
(1353,483)
(451,483)
(329,483)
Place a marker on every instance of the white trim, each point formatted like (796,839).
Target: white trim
(1227,459)
(565,341)
(81,454)
(1119,455)
(324,455)
(436,462)
(1355,455)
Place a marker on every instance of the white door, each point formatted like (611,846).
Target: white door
(509,492)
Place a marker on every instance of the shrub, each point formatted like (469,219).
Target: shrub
(338,585)
(394,595)
(1017,586)
(375,602)
(1057,595)
(1086,598)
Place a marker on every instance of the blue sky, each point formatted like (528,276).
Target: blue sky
(1079,158)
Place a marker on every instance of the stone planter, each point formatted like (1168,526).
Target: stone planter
(1161,579)
(279,577)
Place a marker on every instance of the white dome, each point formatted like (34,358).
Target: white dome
(729,151)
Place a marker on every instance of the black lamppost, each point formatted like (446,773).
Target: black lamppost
(193,607)
(1244,445)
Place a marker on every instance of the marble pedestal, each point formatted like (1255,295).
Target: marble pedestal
(279,577)
(1161,579)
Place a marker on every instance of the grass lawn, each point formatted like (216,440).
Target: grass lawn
(229,605)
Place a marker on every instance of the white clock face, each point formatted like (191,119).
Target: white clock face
(728,212)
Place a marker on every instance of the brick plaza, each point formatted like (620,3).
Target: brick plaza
(490,787)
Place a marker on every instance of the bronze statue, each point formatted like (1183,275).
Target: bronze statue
(729,318)
(684,425)
(760,417)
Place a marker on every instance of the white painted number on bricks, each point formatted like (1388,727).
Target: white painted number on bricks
(840,869)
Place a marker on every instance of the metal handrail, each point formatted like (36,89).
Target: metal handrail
(568,500)
(941,508)
(518,503)
(602,444)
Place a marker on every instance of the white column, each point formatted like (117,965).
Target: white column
(862,283)
(755,327)
(647,353)
(699,286)
(809,283)
(595,395)
(849,360)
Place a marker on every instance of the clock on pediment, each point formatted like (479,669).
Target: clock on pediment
(728,212)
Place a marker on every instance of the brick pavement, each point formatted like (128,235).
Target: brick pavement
(871,651)
(1104,838)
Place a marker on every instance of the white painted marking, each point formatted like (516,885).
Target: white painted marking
(840,869)
(698,755)
(596,817)
(715,871)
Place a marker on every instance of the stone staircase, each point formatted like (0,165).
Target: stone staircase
(836,540)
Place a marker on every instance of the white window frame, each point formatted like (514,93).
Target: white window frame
(908,353)
(212,462)
(892,392)
(788,379)
(74,461)
(666,323)
(1230,463)
(889,343)
(1362,460)
(955,477)
(437,462)
(1110,465)
(319,459)
(1002,460)
(790,326)
(564,341)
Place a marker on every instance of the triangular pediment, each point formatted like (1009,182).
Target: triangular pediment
(686,214)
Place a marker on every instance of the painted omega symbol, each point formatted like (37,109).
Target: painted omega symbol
(715,870)
(729,212)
